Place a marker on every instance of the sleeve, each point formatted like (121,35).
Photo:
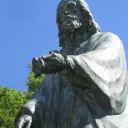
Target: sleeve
(46,98)
(105,65)
(37,102)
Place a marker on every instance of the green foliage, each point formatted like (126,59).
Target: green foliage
(12,100)
(10,103)
(33,83)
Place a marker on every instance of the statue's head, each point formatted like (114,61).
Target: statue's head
(73,14)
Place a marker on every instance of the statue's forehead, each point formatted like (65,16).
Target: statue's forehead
(65,1)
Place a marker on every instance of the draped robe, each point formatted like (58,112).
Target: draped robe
(91,92)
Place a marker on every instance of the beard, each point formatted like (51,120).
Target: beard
(66,30)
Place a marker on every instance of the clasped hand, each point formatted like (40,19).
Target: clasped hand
(49,64)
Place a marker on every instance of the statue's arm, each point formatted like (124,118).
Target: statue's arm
(33,109)
(36,102)
(96,63)
(101,62)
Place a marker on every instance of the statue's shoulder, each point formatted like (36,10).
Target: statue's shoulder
(106,35)
(98,39)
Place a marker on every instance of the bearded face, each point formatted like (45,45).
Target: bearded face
(74,18)
(68,17)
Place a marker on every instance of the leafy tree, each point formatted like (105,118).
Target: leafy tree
(12,100)
(10,103)
(33,83)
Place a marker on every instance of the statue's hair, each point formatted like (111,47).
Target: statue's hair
(93,27)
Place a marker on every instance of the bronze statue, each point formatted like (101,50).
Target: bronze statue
(85,85)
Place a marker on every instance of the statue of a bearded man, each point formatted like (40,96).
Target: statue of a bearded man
(85,85)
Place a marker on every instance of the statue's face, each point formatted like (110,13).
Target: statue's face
(68,16)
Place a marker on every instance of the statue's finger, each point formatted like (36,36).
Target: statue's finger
(41,62)
(20,123)
(50,52)
(28,125)
(55,54)
(34,59)
(47,57)
(57,51)
(54,51)
(38,63)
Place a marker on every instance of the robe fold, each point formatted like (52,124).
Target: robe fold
(91,92)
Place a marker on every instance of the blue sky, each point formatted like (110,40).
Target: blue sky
(28,28)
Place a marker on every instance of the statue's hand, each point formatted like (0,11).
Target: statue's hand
(23,118)
(24,121)
(51,63)
(54,62)
(37,65)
